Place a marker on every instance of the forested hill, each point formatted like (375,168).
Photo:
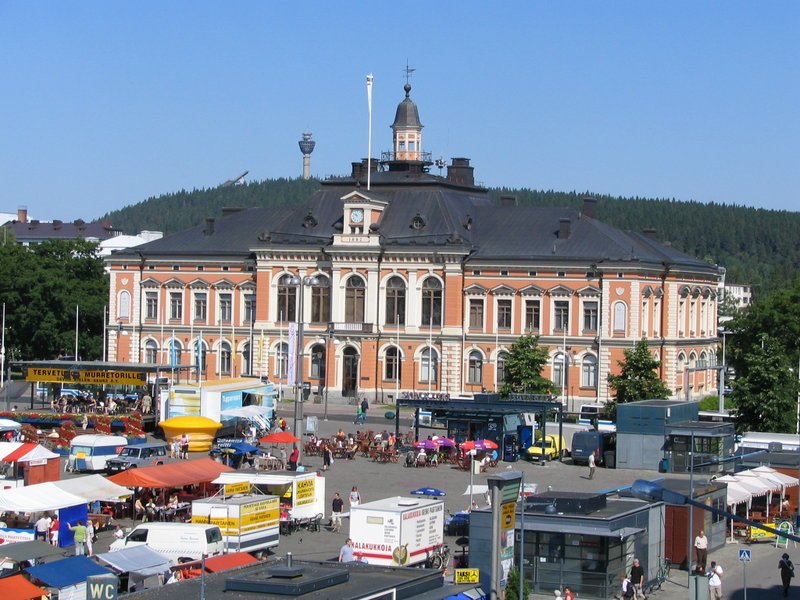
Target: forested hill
(756,246)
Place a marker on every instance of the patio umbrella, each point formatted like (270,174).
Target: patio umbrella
(479,445)
(426,444)
(281,437)
(428,491)
(446,442)
(6,424)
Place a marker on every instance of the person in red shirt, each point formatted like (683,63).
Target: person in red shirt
(293,458)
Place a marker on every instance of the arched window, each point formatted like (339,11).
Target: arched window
(395,301)
(317,361)
(429,366)
(589,371)
(199,351)
(282,360)
(287,299)
(246,359)
(475,370)
(321,300)
(175,350)
(151,352)
(501,368)
(392,364)
(124,311)
(558,370)
(432,302)
(225,358)
(620,317)
(354,296)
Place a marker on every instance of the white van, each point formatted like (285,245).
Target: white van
(91,451)
(175,540)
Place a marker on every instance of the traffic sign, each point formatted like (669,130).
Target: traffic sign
(467,576)
(744,556)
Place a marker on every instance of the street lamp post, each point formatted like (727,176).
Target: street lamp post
(300,283)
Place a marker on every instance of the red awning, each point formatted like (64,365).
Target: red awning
(187,472)
(17,587)
(229,561)
(20,452)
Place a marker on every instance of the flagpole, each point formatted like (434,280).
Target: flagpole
(77,309)
(369,129)
(105,332)
(3,350)
(279,359)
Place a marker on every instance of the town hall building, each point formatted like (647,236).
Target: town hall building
(398,280)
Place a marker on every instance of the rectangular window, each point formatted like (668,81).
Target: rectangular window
(200,306)
(175,306)
(561,314)
(475,314)
(590,316)
(225,307)
(532,312)
(249,308)
(504,314)
(151,306)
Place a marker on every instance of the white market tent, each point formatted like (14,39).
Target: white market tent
(24,452)
(53,495)
(785,481)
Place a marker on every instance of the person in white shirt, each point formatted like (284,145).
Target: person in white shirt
(591,466)
(43,527)
(715,581)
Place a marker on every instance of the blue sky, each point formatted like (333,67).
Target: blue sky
(104,104)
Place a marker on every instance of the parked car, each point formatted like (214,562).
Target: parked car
(551,446)
(139,455)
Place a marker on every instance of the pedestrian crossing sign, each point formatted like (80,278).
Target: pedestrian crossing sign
(744,556)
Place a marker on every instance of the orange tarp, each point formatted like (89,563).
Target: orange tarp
(17,587)
(229,561)
(187,472)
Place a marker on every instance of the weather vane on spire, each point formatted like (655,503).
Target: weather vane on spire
(408,71)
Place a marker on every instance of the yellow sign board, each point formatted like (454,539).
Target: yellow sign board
(305,492)
(508,514)
(468,576)
(243,487)
(85,376)
(757,533)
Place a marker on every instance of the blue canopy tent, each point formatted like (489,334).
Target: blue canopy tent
(67,575)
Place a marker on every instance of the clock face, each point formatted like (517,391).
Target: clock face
(356,215)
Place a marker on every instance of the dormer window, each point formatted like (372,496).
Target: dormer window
(417,222)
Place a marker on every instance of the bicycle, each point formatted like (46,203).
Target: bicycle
(438,557)
(662,575)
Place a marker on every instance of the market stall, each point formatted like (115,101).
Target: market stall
(172,475)
(67,576)
(17,587)
(136,562)
(201,431)
(26,463)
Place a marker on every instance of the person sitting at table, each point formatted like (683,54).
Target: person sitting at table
(433,459)
(150,510)
(340,434)
(350,452)
(422,457)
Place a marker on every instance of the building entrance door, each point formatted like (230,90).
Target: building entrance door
(350,372)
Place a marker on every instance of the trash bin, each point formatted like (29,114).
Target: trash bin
(663,465)
(610,459)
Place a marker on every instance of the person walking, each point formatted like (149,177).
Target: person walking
(701,548)
(293,458)
(568,593)
(355,497)
(637,579)
(337,507)
(90,533)
(54,526)
(626,587)
(787,572)
(79,533)
(591,466)
(714,581)
(327,456)
(185,446)
(364,407)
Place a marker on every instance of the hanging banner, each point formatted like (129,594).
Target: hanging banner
(85,376)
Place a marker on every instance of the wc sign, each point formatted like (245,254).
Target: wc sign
(102,587)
